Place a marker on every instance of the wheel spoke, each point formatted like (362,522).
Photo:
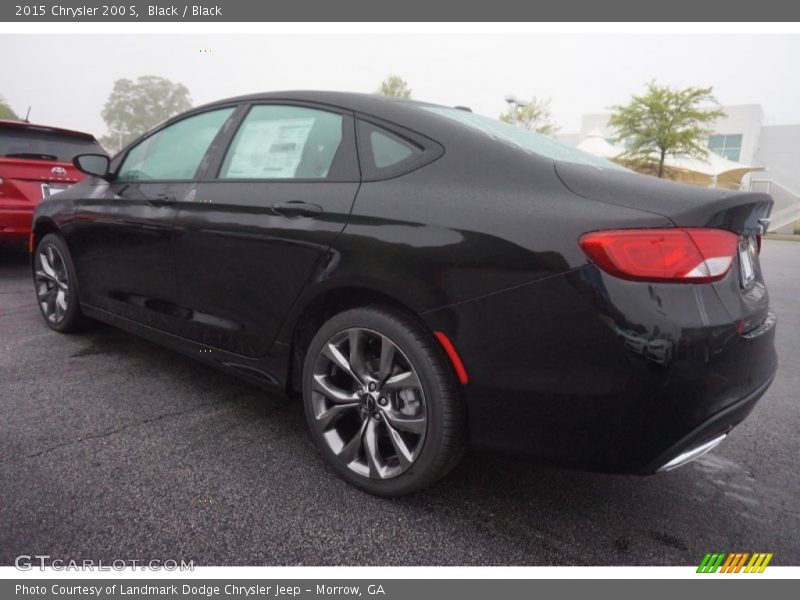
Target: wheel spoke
(59,267)
(334,354)
(333,413)
(45,292)
(357,360)
(404,455)
(50,309)
(331,392)
(51,259)
(351,449)
(42,274)
(47,265)
(414,425)
(407,379)
(371,449)
(61,300)
(387,359)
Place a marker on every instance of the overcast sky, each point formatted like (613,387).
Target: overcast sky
(67,79)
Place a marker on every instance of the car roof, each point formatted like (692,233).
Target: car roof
(25,125)
(385,107)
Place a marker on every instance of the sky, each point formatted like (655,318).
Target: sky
(66,79)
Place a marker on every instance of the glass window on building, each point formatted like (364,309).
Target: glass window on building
(727,146)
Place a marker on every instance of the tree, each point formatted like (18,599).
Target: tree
(533,116)
(135,107)
(394,86)
(6,112)
(665,122)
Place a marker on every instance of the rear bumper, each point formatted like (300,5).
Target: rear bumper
(15,222)
(715,429)
(589,371)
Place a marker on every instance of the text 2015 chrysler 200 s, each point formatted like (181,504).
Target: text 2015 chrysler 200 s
(427,278)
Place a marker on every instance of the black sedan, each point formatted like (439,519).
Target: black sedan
(426,279)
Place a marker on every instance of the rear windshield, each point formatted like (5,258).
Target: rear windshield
(522,138)
(43,145)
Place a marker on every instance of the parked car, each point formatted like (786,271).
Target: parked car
(427,279)
(35,163)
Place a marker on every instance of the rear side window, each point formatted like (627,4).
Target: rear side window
(530,141)
(284,142)
(389,150)
(175,152)
(385,154)
(35,144)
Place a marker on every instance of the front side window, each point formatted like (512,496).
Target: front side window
(284,142)
(175,152)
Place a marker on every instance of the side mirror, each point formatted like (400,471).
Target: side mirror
(92,164)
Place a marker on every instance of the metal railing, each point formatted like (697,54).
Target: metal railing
(787,202)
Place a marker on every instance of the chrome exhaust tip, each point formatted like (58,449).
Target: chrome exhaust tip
(690,455)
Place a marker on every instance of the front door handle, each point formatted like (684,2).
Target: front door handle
(162,200)
(296,208)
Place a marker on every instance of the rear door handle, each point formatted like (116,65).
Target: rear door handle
(296,208)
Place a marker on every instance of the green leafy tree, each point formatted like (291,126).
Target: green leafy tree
(535,116)
(665,122)
(6,112)
(394,86)
(135,107)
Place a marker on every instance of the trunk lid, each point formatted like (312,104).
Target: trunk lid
(27,180)
(24,169)
(685,205)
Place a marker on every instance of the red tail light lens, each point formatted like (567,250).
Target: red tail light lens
(683,255)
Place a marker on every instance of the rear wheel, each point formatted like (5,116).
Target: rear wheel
(55,282)
(381,401)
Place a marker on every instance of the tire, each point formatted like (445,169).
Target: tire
(56,286)
(388,417)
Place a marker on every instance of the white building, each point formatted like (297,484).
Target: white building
(745,136)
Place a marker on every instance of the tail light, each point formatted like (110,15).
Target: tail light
(681,255)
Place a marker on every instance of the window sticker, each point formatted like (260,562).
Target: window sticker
(269,149)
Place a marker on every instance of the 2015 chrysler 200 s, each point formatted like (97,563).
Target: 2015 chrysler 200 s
(427,278)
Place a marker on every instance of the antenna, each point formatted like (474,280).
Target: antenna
(27,115)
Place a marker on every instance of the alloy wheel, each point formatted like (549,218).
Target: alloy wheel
(368,403)
(52,283)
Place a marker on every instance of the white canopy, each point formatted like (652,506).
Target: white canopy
(596,144)
(713,170)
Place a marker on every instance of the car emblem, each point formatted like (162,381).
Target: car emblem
(60,171)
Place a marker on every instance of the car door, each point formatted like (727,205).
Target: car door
(250,234)
(126,262)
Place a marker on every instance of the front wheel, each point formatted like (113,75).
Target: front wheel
(56,285)
(381,401)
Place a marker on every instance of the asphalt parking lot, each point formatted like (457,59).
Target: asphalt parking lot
(114,448)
